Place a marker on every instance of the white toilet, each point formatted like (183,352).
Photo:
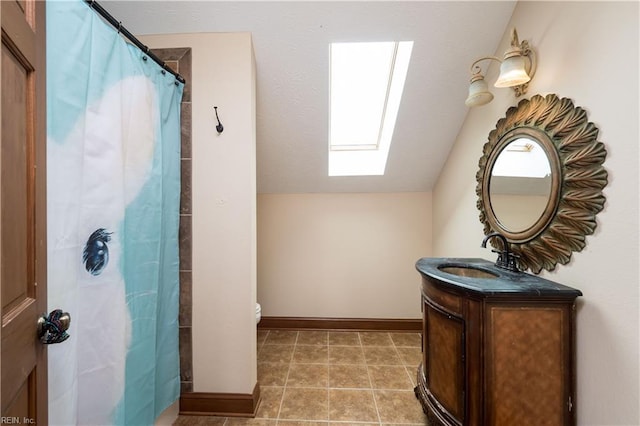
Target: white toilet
(258,313)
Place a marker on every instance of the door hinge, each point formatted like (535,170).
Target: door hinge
(570,404)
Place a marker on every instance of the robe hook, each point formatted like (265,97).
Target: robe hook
(219,127)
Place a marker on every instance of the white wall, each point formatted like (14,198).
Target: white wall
(587,52)
(342,255)
(518,212)
(224,209)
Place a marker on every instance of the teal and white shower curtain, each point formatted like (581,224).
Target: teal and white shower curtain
(113,173)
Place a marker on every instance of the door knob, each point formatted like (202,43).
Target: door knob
(53,328)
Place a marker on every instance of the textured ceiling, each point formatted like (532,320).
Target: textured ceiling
(291,47)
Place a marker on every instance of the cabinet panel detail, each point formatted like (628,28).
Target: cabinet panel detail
(526,346)
(445,368)
(446,300)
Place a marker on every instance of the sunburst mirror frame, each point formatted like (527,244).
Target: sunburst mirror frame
(577,180)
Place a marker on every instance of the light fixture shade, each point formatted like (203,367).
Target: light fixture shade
(478,93)
(512,72)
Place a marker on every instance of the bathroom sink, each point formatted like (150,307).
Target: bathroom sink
(484,278)
(467,271)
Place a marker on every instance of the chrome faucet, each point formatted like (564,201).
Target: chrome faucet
(506,258)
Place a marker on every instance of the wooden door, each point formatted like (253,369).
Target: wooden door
(23,365)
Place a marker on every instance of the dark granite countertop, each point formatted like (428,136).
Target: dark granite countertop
(504,283)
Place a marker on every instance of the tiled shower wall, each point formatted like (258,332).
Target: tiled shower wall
(179,60)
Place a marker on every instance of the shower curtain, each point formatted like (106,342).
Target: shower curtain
(113,173)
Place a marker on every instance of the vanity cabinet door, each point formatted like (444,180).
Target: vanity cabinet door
(528,371)
(444,361)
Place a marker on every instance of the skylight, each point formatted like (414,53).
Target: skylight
(522,158)
(367,80)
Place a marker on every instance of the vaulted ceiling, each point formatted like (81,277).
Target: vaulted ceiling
(291,42)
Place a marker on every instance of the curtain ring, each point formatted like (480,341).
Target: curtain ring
(119,26)
(91,4)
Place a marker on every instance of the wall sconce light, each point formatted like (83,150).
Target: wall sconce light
(517,68)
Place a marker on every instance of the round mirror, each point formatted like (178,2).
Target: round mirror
(520,184)
(540,180)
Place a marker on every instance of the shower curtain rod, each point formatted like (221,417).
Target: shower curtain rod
(122,30)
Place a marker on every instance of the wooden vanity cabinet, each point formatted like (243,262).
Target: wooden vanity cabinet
(497,356)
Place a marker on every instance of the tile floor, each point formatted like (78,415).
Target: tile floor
(333,378)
